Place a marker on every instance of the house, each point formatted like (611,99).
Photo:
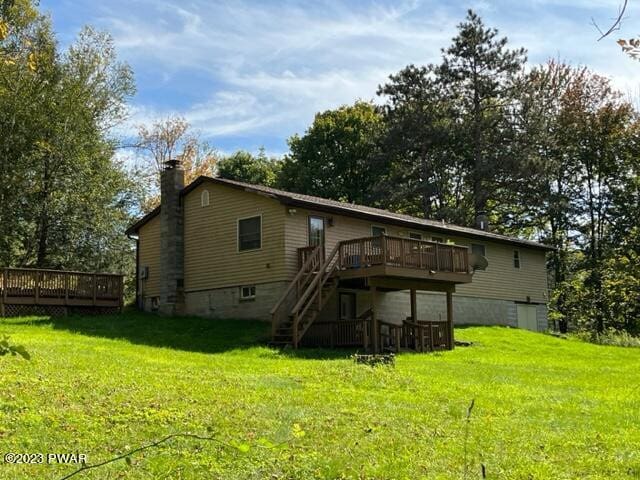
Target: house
(329,273)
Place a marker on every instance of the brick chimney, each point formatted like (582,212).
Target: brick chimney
(171,239)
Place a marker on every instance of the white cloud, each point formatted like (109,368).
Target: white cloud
(265,68)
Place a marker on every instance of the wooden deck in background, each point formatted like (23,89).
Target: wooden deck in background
(23,287)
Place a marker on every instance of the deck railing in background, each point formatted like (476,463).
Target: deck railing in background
(25,286)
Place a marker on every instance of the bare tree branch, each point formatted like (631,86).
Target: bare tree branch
(157,443)
(616,24)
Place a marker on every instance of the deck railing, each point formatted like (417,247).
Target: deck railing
(403,253)
(420,336)
(25,286)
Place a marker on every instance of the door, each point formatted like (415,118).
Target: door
(347,305)
(527,317)
(316,229)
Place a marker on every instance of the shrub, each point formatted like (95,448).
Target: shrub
(7,348)
(618,338)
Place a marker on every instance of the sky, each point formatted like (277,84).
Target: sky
(249,74)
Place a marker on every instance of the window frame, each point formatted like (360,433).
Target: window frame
(251,296)
(238,220)
(517,257)
(324,229)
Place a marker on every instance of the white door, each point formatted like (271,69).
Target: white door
(527,317)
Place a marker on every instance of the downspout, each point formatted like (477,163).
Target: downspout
(138,299)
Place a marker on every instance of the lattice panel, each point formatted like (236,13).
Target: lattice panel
(29,310)
(93,310)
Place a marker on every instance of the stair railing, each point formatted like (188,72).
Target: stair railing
(299,282)
(313,292)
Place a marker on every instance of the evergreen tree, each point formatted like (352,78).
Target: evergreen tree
(479,71)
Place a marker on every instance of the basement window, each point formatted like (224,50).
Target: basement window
(415,236)
(437,239)
(249,233)
(248,292)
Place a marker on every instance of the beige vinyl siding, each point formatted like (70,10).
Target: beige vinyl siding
(149,245)
(211,255)
(500,281)
(344,228)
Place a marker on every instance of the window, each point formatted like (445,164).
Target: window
(249,233)
(247,292)
(377,231)
(415,235)
(516,259)
(316,231)
(478,249)
(437,239)
(204,198)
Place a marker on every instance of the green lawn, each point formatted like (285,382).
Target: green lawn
(544,407)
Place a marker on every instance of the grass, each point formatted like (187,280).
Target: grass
(545,408)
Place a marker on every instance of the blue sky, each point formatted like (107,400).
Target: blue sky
(252,73)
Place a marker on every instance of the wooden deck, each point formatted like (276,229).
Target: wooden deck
(377,264)
(398,257)
(56,291)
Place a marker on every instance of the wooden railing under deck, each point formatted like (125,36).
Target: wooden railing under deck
(404,253)
(23,286)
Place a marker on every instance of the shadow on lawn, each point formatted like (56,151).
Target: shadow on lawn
(192,334)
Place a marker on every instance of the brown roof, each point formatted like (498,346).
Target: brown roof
(352,210)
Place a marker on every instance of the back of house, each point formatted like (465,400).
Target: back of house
(225,249)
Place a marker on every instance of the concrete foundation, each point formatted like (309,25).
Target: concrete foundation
(393,307)
(226,302)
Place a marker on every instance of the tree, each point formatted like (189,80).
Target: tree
(419,160)
(169,139)
(333,158)
(244,167)
(578,181)
(479,71)
(65,202)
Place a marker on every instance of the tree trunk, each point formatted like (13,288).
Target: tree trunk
(43,222)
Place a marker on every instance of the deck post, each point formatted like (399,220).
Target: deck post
(37,290)
(375,334)
(450,318)
(385,250)
(3,291)
(414,305)
(66,289)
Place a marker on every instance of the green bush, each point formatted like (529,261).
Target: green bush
(618,338)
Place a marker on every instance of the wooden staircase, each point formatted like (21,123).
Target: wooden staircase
(309,292)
